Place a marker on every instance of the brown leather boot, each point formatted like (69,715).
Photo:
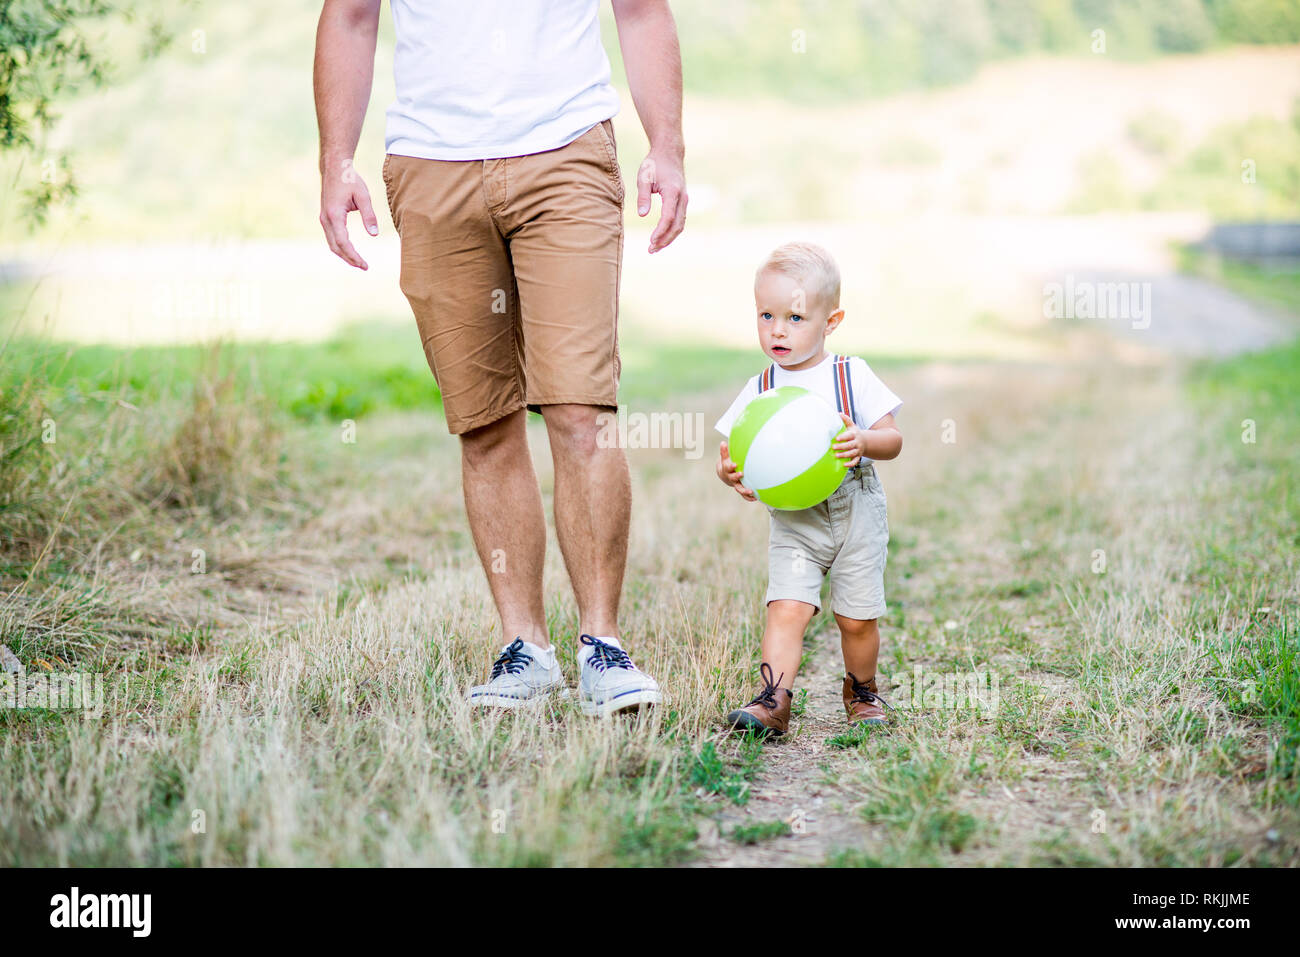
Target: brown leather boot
(863,704)
(769,712)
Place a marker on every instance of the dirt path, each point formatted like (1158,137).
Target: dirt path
(795,784)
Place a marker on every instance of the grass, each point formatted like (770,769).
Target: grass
(1277,286)
(757,833)
(712,774)
(366,368)
(293,696)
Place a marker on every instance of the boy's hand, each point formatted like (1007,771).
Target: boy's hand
(881,442)
(851,444)
(731,475)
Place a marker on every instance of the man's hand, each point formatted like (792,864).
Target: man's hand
(342,191)
(653,62)
(341,80)
(662,173)
(731,475)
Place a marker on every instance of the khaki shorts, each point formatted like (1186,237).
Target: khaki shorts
(845,537)
(512,269)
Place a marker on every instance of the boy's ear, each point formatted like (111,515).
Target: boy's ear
(834,319)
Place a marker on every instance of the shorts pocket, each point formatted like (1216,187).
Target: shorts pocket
(606,134)
(388,190)
(879,504)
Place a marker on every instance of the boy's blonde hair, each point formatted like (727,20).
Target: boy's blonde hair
(810,264)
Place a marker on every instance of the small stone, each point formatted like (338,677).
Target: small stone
(9,662)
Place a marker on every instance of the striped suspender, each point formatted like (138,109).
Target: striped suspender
(843,385)
(844,388)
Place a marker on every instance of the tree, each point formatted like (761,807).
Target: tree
(45,54)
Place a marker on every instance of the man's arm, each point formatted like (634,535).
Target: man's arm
(345,69)
(647,35)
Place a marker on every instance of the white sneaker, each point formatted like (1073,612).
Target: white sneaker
(609,681)
(522,674)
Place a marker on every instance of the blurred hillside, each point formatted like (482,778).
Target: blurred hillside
(858,48)
(217,138)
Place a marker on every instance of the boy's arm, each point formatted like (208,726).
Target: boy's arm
(884,440)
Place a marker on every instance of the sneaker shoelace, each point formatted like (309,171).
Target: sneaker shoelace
(861,692)
(767,696)
(604,656)
(512,659)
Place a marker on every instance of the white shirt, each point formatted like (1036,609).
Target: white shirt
(872,399)
(483,79)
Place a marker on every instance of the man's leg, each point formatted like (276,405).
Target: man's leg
(456,266)
(593,508)
(504,505)
(563,215)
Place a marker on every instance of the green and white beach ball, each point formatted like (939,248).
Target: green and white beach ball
(782,442)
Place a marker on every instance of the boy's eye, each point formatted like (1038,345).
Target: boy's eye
(765,316)
(794,318)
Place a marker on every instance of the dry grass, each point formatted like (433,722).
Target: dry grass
(321,721)
(223,450)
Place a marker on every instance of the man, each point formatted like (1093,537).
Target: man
(504,185)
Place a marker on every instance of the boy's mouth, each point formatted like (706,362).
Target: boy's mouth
(780,350)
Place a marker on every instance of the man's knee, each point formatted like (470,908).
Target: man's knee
(500,439)
(575,427)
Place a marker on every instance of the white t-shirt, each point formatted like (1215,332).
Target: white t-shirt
(872,399)
(483,79)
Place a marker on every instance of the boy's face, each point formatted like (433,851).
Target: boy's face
(792,321)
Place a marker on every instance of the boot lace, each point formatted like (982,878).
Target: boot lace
(767,696)
(862,692)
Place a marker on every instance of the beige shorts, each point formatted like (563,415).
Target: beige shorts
(512,269)
(845,538)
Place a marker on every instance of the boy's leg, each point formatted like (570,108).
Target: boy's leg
(783,638)
(769,710)
(857,580)
(860,642)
